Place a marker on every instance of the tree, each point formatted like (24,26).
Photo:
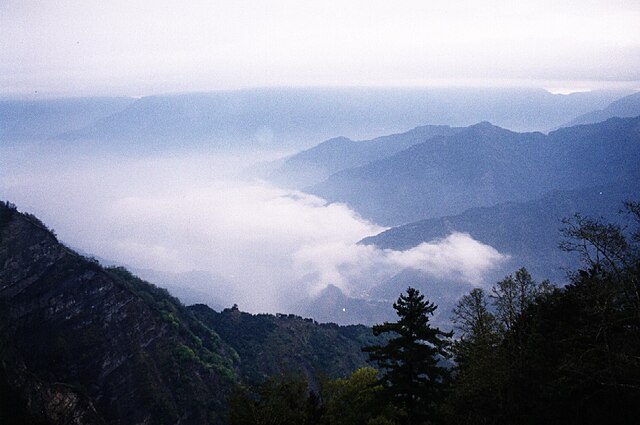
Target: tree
(513,295)
(354,401)
(281,400)
(474,397)
(412,374)
(604,247)
(472,317)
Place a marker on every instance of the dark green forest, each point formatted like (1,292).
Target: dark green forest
(523,352)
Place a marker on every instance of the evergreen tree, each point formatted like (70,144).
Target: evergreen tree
(411,362)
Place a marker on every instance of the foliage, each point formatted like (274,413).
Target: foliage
(7,210)
(355,400)
(282,400)
(525,352)
(538,354)
(271,345)
(412,375)
(287,400)
(477,372)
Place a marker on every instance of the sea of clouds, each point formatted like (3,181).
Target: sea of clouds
(179,213)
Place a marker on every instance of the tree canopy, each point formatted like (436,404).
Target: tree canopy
(411,363)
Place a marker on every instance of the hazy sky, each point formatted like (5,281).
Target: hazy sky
(73,47)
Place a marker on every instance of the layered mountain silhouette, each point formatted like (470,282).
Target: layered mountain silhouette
(300,117)
(29,120)
(316,164)
(529,232)
(628,106)
(484,165)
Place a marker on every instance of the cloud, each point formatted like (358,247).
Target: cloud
(188,212)
(457,256)
(356,268)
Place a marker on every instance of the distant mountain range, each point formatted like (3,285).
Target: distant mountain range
(28,120)
(483,165)
(529,232)
(286,118)
(316,164)
(313,165)
(628,106)
(505,189)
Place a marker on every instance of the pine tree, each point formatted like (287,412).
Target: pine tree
(412,374)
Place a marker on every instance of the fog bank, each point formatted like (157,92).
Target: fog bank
(193,212)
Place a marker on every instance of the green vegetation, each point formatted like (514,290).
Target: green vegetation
(531,353)
(270,345)
(412,375)
(286,399)
(524,353)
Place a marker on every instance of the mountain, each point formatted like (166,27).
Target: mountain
(528,232)
(331,304)
(28,120)
(272,344)
(85,344)
(300,117)
(628,106)
(484,165)
(316,164)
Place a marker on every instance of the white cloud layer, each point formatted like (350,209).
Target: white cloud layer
(177,214)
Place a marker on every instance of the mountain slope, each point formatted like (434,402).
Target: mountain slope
(484,165)
(441,176)
(316,164)
(300,117)
(628,106)
(527,231)
(272,344)
(30,120)
(86,345)
(88,338)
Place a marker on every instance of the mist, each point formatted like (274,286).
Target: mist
(269,248)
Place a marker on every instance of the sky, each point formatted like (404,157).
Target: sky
(135,48)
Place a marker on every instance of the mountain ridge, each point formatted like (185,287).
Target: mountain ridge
(316,164)
(87,345)
(628,106)
(298,117)
(484,165)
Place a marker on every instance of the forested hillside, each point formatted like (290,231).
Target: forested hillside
(523,351)
(88,345)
